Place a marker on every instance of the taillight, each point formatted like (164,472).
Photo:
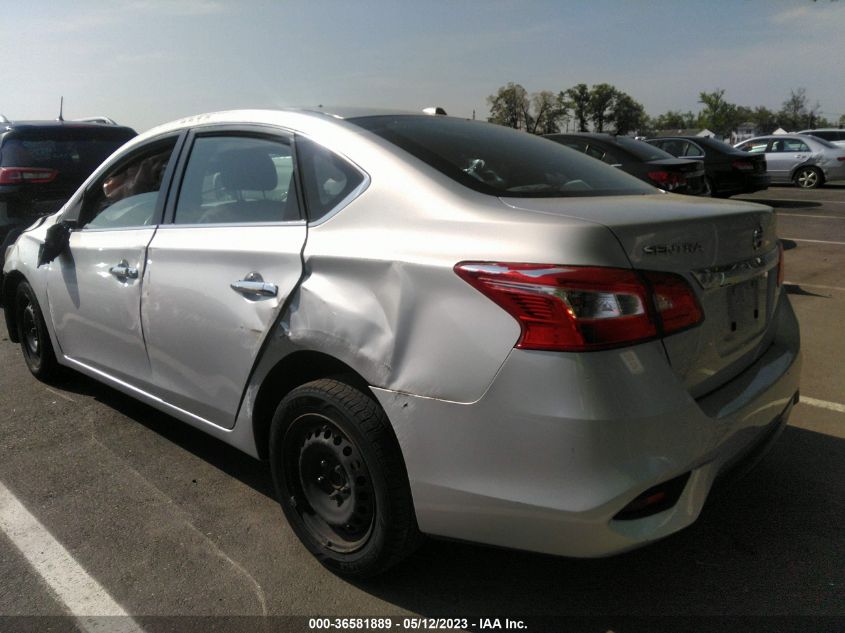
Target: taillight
(743,165)
(780,264)
(18,175)
(840,158)
(674,301)
(579,308)
(668,180)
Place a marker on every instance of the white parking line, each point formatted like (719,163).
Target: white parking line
(83,596)
(798,239)
(797,200)
(823,404)
(803,285)
(807,215)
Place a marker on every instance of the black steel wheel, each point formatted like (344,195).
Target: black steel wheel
(808,177)
(32,332)
(340,478)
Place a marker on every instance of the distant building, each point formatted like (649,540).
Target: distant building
(780,130)
(744,131)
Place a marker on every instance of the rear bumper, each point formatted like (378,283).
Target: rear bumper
(560,443)
(735,183)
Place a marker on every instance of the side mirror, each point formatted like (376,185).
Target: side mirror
(55,242)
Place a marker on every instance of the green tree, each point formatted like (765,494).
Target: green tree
(718,115)
(674,120)
(577,99)
(626,114)
(510,106)
(796,114)
(765,121)
(548,112)
(602,97)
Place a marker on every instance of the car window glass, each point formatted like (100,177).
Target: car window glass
(500,161)
(595,152)
(792,145)
(327,178)
(237,179)
(691,149)
(673,147)
(127,196)
(754,146)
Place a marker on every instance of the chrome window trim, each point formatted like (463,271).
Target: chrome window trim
(195,225)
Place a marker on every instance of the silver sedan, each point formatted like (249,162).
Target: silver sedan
(805,160)
(427,325)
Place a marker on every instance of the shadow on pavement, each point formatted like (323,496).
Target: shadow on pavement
(220,455)
(771,543)
(796,289)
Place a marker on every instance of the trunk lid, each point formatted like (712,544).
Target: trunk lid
(727,252)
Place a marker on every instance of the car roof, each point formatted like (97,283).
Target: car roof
(822,129)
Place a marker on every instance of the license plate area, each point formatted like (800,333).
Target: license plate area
(746,314)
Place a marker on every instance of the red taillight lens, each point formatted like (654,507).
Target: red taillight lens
(780,264)
(840,158)
(743,165)
(674,301)
(667,180)
(576,308)
(18,175)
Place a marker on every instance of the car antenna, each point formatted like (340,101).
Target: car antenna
(61,107)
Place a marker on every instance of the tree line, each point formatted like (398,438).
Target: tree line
(607,108)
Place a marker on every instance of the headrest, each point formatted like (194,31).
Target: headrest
(251,169)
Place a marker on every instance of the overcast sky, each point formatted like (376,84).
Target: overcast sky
(145,62)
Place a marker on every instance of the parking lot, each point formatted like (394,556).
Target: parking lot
(169,522)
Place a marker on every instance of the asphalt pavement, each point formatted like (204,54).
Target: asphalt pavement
(165,521)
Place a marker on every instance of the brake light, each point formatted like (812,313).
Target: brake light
(840,158)
(18,175)
(667,180)
(780,264)
(743,165)
(578,308)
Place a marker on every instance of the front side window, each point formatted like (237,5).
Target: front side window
(128,194)
(238,180)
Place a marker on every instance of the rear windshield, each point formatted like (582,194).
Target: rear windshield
(641,149)
(72,149)
(501,161)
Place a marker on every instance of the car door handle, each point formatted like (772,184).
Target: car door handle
(124,271)
(254,284)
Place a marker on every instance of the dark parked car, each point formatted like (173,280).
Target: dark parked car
(728,171)
(42,163)
(640,159)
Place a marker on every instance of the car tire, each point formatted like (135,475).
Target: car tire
(32,332)
(340,478)
(808,178)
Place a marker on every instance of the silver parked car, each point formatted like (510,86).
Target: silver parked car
(807,161)
(829,134)
(428,325)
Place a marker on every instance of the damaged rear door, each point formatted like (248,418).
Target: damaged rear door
(222,266)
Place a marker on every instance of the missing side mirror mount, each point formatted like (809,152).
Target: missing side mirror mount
(55,241)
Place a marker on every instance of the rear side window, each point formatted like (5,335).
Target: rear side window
(327,178)
(755,147)
(500,161)
(238,180)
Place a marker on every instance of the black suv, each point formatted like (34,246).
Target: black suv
(42,163)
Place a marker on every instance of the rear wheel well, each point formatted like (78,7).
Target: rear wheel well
(10,287)
(288,374)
